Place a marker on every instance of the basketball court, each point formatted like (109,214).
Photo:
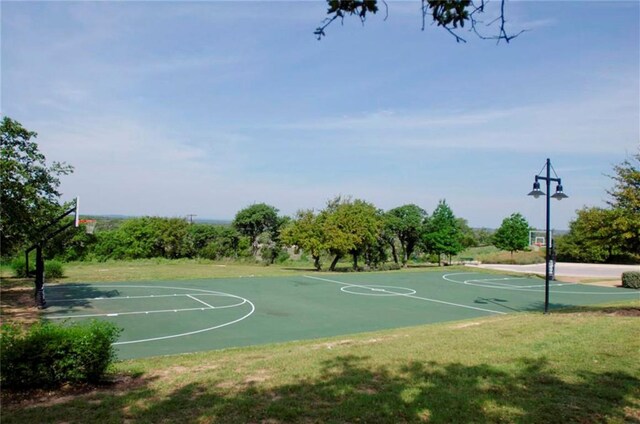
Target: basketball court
(161,318)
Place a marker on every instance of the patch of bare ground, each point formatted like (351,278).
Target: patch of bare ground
(604,283)
(178,369)
(349,342)
(623,312)
(17,306)
(118,385)
(465,325)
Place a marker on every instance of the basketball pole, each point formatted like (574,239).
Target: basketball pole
(559,195)
(39,298)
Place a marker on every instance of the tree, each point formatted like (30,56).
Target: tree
(350,227)
(467,235)
(513,234)
(405,222)
(442,234)
(306,232)
(255,220)
(452,15)
(592,237)
(608,234)
(29,194)
(625,201)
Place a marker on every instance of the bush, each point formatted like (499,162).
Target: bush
(631,280)
(19,270)
(49,355)
(52,269)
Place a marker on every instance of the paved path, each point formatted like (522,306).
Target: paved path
(569,269)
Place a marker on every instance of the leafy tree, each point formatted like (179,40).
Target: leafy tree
(625,201)
(256,219)
(592,237)
(405,222)
(513,234)
(442,234)
(608,234)
(452,15)
(350,227)
(215,241)
(306,232)
(467,235)
(29,194)
(483,236)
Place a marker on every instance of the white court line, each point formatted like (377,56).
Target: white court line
(204,292)
(116,314)
(150,296)
(411,296)
(488,286)
(204,303)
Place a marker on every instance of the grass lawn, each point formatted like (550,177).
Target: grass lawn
(565,367)
(577,366)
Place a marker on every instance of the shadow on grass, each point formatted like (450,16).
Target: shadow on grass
(350,389)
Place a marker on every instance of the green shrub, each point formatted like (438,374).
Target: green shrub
(18,266)
(53,269)
(48,354)
(631,280)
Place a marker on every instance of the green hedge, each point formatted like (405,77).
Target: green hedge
(631,280)
(48,355)
(52,269)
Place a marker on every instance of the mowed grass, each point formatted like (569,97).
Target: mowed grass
(564,367)
(161,269)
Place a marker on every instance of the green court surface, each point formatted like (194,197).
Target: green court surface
(170,317)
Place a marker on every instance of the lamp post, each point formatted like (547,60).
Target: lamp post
(559,195)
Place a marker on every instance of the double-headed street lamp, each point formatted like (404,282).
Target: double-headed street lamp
(559,195)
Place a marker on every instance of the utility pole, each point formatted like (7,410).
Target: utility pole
(190,217)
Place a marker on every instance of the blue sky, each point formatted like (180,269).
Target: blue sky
(175,108)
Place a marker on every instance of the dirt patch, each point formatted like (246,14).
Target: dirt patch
(583,280)
(349,342)
(465,325)
(17,306)
(37,398)
(623,312)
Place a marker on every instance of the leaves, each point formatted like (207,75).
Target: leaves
(29,195)
(513,234)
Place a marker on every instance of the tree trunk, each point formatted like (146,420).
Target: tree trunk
(316,263)
(393,252)
(335,262)
(355,260)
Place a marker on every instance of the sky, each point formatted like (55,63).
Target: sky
(176,108)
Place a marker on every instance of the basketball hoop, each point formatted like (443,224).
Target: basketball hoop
(89,225)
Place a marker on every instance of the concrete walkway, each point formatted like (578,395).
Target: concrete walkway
(566,269)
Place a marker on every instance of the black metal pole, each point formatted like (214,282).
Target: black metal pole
(547,241)
(39,294)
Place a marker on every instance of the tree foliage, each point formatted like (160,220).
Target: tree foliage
(608,234)
(29,194)
(591,238)
(256,219)
(451,15)
(513,234)
(442,234)
(625,201)
(350,227)
(406,224)
(306,232)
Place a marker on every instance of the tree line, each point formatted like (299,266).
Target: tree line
(345,228)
